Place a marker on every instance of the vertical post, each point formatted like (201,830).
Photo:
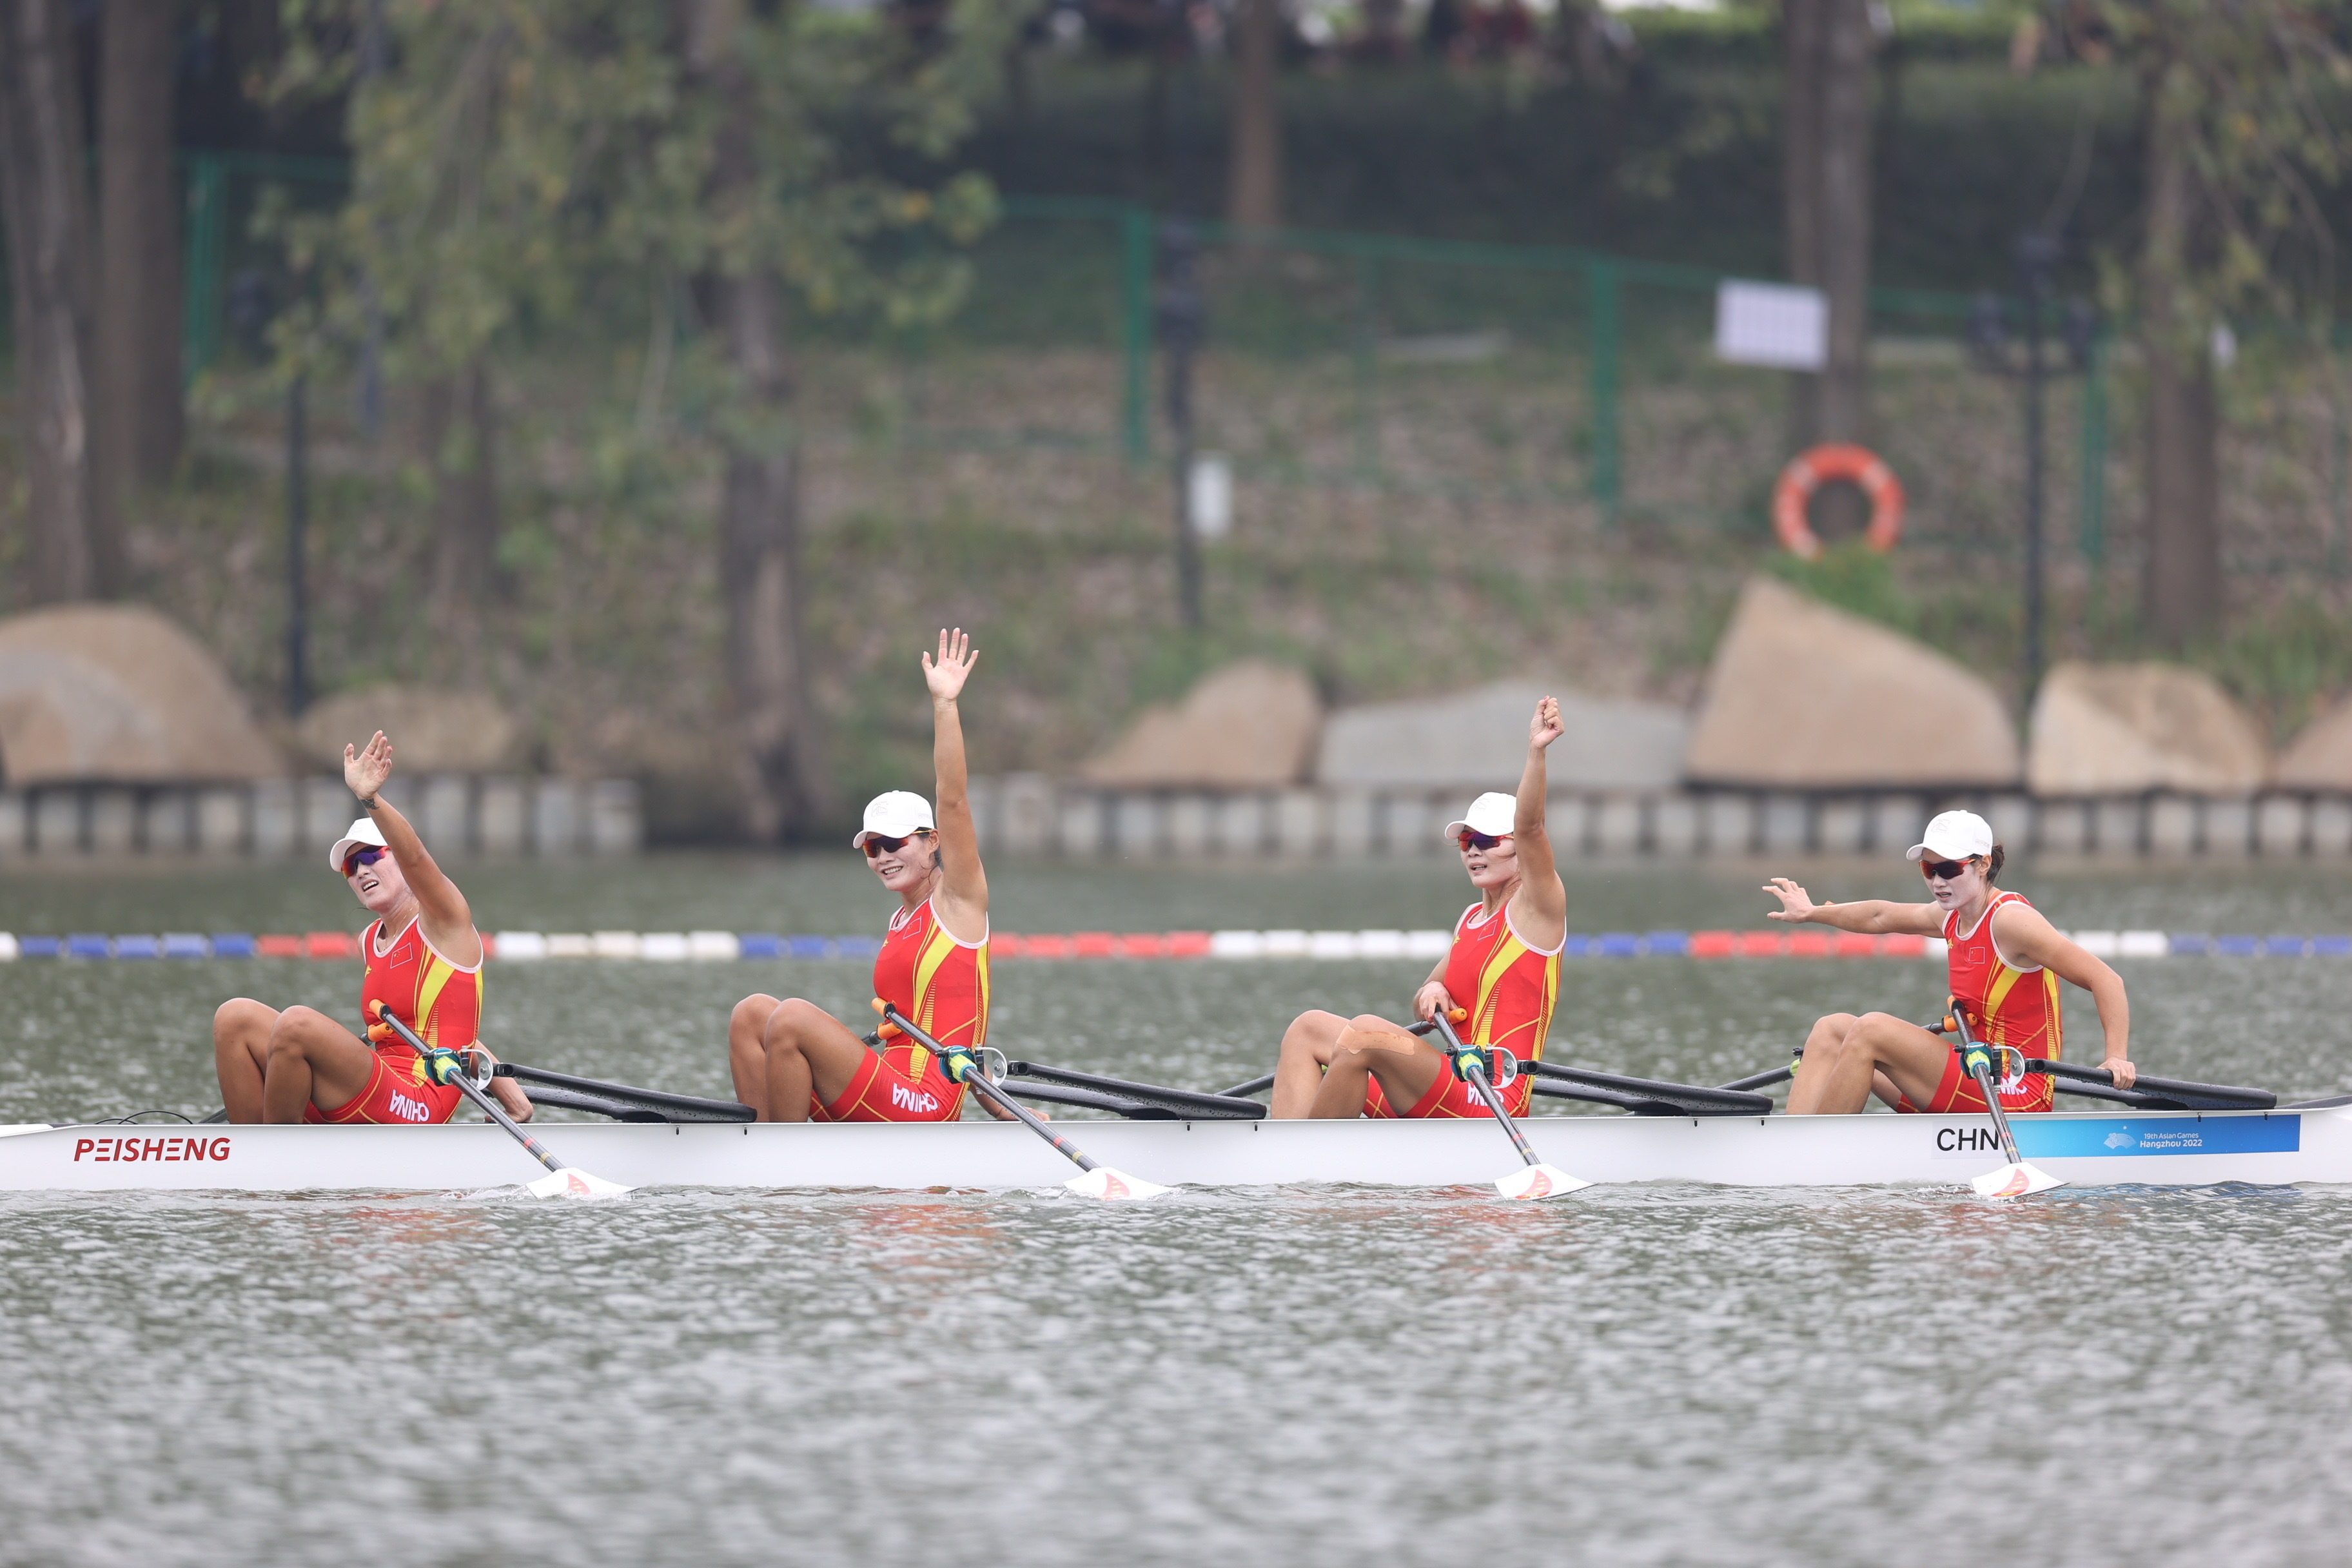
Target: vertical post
(2341,522)
(2035,254)
(297,524)
(1602,300)
(1135,322)
(371,387)
(2093,535)
(1182,315)
(1367,367)
(200,304)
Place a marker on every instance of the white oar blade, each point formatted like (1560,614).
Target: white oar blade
(571,1184)
(1538,1182)
(2016,1180)
(1113,1186)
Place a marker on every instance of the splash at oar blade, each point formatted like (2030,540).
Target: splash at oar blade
(2017,1179)
(1534,1179)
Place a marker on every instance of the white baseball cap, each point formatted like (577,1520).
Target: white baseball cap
(363,831)
(1954,835)
(1492,813)
(894,813)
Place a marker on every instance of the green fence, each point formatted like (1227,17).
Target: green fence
(1425,369)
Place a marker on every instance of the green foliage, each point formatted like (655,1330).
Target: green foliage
(2258,92)
(2286,663)
(1853,576)
(520,165)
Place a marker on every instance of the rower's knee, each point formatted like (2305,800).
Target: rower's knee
(241,1018)
(750,1014)
(788,1022)
(288,1035)
(1831,1033)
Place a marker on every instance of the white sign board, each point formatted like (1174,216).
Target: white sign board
(1772,324)
(1210,496)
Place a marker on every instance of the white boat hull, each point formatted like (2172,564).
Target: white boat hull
(2148,1149)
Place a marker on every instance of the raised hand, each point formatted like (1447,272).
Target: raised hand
(1796,904)
(1545,727)
(366,770)
(956,656)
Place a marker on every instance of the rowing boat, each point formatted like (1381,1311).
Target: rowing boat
(2280,1147)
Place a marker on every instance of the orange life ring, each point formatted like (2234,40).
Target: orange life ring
(1810,471)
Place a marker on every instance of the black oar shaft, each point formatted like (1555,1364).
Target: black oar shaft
(489,1107)
(978,1084)
(1983,1076)
(1477,1074)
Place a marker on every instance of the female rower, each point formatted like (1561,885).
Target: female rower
(2005,961)
(1504,969)
(794,1060)
(300,1065)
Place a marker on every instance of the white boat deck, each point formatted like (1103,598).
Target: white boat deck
(2146,1148)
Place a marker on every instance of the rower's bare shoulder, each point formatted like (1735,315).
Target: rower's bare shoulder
(2022,929)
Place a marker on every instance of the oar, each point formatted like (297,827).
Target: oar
(2152,1090)
(656,1104)
(2017,1179)
(1186,1102)
(562,1180)
(1763,1079)
(1539,1180)
(963,1066)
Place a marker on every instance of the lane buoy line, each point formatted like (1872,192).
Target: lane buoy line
(722,946)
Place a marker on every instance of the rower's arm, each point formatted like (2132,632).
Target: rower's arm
(1872,917)
(963,899)
(1433,995)
(2023,933)
(1541,914)
(442,909)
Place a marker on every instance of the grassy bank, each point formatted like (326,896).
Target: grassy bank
(1465,550)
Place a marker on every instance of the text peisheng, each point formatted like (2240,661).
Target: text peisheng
(131,1149)
(1968,1140)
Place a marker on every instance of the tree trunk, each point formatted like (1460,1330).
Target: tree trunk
(46,208)
(785,791)
(1826,172)
(1846,44)
(1253,190)
(461,443)
(2182,588)
(1801,187)
(138,280)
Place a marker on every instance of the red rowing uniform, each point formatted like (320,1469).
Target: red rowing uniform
(2006,1005)
(1509,988)
(940,982)
(440,1000)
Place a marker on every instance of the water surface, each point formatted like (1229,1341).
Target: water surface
(1669,1375)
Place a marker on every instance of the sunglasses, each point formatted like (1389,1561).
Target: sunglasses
(1470,839)
(1947,869)
(877,845)
(359,858)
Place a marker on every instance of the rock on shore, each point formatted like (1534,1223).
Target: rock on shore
(1805,696)
(1478,739)
(2121,729)
(1250,725)
(119,694)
